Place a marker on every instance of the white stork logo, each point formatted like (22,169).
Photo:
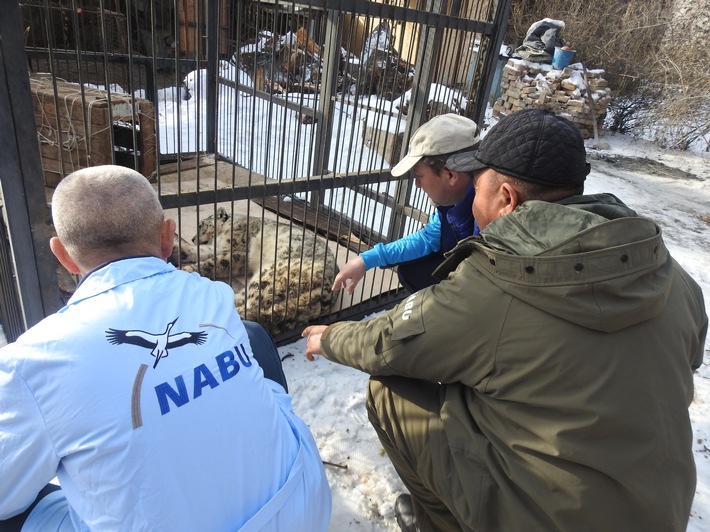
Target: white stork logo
(158,343)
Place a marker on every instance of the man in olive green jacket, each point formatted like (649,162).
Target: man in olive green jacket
(545,384)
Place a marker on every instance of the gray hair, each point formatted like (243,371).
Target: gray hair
(103,208)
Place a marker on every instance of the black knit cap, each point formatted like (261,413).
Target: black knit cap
(531,144)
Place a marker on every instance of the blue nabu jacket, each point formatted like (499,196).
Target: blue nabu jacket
(143,397)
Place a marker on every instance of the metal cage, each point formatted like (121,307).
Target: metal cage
(277,121)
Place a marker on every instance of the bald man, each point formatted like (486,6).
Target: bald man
(145,394)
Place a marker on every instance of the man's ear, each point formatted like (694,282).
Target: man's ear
(62,255)
(167,238)
(453,177)
(510,198)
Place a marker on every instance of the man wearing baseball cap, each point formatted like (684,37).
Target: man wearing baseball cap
(544,384)
(417,255)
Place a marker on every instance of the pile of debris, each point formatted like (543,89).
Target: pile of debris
(292,63)
(281,63)
(379,69)
(564,92)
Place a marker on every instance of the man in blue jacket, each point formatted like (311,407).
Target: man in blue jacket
(417,255)
(145,395)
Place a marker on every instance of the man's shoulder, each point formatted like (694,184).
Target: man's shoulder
(34,344)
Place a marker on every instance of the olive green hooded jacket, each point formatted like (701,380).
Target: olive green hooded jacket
(565,339)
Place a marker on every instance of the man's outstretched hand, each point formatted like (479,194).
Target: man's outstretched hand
(353,271)
(313,333)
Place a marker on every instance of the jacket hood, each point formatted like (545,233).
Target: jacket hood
(588,260)
(538,226)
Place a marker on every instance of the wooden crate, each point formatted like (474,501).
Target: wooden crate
(75,129)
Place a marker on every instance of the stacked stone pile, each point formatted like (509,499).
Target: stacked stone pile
(528,84)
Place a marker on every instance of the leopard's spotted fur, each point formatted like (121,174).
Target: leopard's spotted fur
(289,271)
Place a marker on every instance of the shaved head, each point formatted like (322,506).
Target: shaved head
(106,210)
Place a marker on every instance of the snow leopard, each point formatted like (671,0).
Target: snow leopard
(289,270)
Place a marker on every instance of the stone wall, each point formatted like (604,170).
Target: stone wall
(528,84)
